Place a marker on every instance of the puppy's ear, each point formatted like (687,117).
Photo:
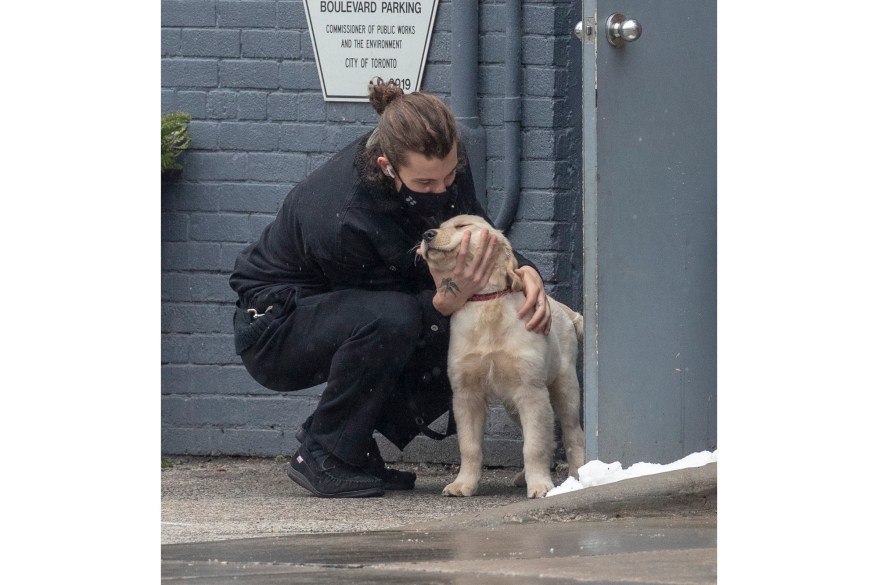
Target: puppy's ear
(512,279)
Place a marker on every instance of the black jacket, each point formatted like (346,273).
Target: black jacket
(336,230)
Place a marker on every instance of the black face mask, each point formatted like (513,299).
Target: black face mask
(425,205)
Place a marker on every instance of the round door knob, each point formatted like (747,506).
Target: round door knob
(621,30)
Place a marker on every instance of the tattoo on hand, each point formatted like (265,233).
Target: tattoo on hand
(449,286)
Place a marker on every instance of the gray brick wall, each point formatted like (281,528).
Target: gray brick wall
(245,71)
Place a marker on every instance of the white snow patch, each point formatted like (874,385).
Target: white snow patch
(598,473)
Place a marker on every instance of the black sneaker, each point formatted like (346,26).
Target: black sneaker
(327,477)
(392,479)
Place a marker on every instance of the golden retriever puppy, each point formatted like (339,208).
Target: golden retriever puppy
(492,356)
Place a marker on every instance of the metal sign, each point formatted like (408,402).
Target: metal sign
(355,41)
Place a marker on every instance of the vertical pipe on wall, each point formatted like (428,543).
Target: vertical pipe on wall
(512,117)
(465,88)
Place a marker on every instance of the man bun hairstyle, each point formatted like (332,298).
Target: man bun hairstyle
(381,94)
(415,122)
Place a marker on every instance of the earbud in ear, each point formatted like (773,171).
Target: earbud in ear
(390,171)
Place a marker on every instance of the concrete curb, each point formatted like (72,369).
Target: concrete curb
(682,492)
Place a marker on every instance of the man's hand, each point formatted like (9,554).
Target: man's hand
(468,276)
(535,300)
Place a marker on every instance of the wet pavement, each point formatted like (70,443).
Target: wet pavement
(657,550)
(659,529)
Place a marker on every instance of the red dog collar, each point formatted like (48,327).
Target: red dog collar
(490,296)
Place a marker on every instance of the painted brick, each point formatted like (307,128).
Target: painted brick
(196,318)
(170,42)
(210,287)
(190,256)
(175,227)
(538,19)
(299,75)
(230,380)
(250,198)
(176,287)
(174,349)
(538,50)
(547,263)
(491,110)
(189,197)
(169,101)
(537,174)
(443,16)
(499,425)
(292,15)
(280,44)
(307,48)
(246,14)
(492,48)
(222,227)
(492,82)
(546,81)
(218,441)
(285,411)
(341,136)
(277,167)
(349,112)
(495,146)
(496,452)
(189,73)
(248,136)
(258,223)
(539,143)
(204,135)
(252,105)
(539,112)
(535,205)
(210,349)
(188,13)
(437,76)
(492,18)
(222,104)
(304,137)
(193,103)
(210,378)
(312,108)
(494,175)
(440,47)
(315,161)
(283,106)
(215,166)
(279,411)
(542,235)
(248,74)
(202,42)
(254,442)
(229,253)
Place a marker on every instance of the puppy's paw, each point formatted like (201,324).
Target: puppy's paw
(459,488)
(538,489)
(519,480)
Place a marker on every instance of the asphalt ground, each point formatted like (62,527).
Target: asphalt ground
(241,519)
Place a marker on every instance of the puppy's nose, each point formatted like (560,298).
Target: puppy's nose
(429,235)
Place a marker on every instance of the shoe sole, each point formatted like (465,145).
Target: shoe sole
(303,481)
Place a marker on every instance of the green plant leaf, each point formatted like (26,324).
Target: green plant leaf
(175,139)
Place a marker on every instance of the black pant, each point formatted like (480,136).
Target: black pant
(382,367)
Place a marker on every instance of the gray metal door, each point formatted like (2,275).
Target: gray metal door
(649,230)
